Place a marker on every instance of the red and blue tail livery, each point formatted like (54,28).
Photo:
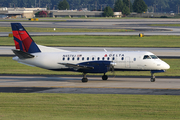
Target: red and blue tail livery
(23,40)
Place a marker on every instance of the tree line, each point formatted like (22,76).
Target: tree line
(125,6)
(153,5)
(162,6)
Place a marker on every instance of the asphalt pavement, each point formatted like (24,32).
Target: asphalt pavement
(73,84)
(139,25)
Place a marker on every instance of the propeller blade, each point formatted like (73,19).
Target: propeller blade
(112,68)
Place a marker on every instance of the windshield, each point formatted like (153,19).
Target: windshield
(146,57)
(154,57)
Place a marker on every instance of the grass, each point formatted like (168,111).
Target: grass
(166,25)
(8,66)
(34,29)
(16,106)
(102,41)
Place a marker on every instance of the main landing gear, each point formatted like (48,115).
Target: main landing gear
(84,79)
(152,77)
(104,77)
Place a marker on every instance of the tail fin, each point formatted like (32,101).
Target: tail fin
(22,39)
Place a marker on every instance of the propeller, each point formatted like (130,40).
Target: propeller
(112,64)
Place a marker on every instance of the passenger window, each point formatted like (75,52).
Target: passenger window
(87,58)
(108,58)
(113,58)
(63,58)
(93,58)
(122,58)
(68,58)
(146,57)
(82,58)
(73,58)
(134,59)
(103,58)
(78,58)
(98,58)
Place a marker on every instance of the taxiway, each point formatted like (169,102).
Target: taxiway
(139,25)
(73,84)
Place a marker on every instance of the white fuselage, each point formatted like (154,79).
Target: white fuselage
(122,60)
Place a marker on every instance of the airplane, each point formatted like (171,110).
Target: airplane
(29,53)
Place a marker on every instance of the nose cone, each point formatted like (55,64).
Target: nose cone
(162,65)
(165,66)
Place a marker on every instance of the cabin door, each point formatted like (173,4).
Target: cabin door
(127,62)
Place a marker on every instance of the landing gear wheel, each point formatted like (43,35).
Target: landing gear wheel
(152,79)
(84,80)
(104,77)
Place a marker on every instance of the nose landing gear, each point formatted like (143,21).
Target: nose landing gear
(152,74)
(152,77)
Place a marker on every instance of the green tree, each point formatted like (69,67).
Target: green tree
(173,6)
(139,6)
(108,12)
(118,7)
(63,5)
(122,6)
(158,5)
(128,4)
(125,10)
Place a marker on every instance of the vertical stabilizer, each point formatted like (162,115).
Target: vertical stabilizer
(23,40)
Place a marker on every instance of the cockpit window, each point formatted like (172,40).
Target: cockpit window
(147,57)
(154,57)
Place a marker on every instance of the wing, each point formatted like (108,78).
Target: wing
(77,66)
(90,66)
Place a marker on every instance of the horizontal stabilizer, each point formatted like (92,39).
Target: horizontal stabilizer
(22,54)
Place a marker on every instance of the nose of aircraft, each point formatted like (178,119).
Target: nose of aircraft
(165,66)
(162,65)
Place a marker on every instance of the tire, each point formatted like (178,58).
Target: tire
(84,80)
(104,77)
(152,79)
